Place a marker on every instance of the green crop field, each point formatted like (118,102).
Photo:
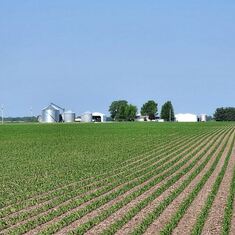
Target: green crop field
(117,178)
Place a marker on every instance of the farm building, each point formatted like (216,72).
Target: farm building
(186,117)
(98,117)
(141,118)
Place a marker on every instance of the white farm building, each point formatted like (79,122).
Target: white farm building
(98,117)
(186,117)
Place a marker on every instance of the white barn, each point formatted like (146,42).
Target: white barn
(186,117)
(98,117)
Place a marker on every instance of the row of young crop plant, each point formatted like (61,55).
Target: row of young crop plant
(228,212)
(187,202)
(205,210)
(69,187)
(130,214)
(96,204)
(89,184)
(124,220)
(128,147)
(149,150)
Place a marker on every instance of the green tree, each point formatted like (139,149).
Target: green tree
(149,109)
(225,114)
(167,112)
(131,111)
(117,109)
(120,110)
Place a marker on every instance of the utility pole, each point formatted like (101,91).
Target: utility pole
(2,108)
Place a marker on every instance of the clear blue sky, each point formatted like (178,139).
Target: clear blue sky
(84,54)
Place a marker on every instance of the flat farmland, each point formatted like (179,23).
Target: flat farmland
(117,178)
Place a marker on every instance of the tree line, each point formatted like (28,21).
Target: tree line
(225,114)
(121,110)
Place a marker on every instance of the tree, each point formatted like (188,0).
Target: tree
(117,109)
(149,109)
(167,112)
(131,111)
(122,111)
(225,114)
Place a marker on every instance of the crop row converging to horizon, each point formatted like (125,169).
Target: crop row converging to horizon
(130,178)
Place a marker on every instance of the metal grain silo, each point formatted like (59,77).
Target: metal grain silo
(86,117)
(69,116)
(50,114)
(203,117)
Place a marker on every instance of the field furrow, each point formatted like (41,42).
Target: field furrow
(185,217)
(134,176)
(125,209)
(144,204)
(162,148)
(214,222)
(172,208)
(136,157)
(128,196)
(231,230)
(137,178)
(159,223)
(134,184)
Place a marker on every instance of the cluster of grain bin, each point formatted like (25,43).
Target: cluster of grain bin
(53,114)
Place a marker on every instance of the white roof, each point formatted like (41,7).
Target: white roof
(186,114)
(186,117)
(97,114)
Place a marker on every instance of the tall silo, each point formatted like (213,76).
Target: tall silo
(50,114)
(86,117)
(203,117)
(69,116)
